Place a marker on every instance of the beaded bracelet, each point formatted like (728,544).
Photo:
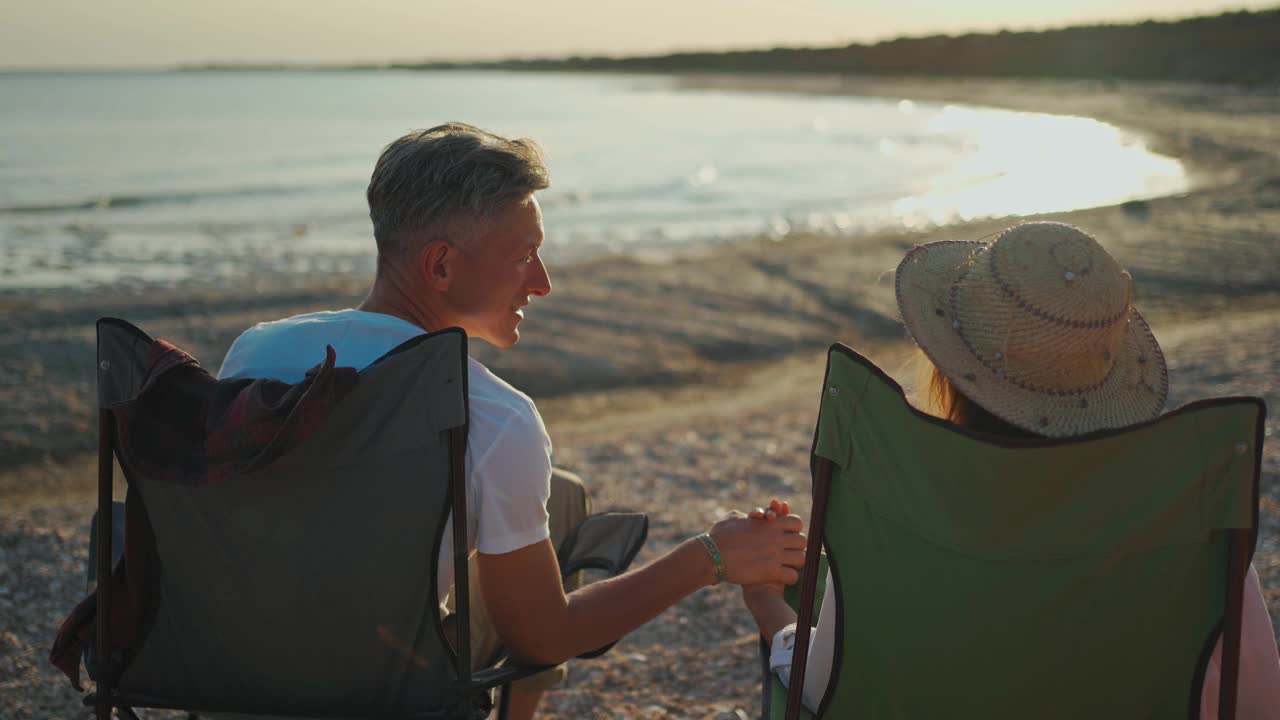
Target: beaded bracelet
(714,552)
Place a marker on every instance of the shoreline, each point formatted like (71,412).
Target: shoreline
(691,384)
(626,321)
(1188,136)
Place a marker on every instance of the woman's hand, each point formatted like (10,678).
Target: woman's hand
(776,508)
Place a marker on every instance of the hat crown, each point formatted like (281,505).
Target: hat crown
(1060,272)
(1044,306)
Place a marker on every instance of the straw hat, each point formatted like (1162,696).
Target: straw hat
(1037,327)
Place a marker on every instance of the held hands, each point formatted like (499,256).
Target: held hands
(776,508)
(765,600)
(765,547)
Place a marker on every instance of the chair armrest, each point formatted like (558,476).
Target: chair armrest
(608,542)
(502,675)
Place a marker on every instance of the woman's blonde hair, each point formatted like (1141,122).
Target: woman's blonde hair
(940,398)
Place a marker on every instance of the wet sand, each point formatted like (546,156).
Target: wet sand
(688,386)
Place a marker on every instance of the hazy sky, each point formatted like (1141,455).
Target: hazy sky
(125,33)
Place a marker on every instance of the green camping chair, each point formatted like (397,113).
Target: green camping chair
(305,586)
(985,577)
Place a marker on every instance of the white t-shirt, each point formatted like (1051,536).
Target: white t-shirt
(508,450)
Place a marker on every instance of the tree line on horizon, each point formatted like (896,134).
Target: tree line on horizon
(1234,47)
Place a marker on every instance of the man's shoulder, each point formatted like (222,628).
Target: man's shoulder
(484,387)
(498,409)
(321,319)
(284,349)
(510,445)
(272,328)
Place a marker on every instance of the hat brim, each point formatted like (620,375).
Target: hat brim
(1133,391)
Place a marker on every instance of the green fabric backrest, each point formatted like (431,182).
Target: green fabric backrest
(1035,578)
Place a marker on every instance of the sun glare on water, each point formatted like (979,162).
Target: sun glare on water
(1017,163)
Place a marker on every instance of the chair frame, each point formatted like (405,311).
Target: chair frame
(1239,548)
(106,696)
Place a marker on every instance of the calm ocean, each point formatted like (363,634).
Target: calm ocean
(137,178)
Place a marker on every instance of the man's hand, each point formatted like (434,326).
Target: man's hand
(762,550)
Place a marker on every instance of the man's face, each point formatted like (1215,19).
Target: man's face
(497,273)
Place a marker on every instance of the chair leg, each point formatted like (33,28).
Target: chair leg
(822,470)
(102,624)
(1237,568)
(764,678)
(504,702)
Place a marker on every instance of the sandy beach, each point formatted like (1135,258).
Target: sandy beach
(687,386)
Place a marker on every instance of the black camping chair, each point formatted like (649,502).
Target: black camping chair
(303,585)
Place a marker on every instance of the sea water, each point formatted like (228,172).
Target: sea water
(201,177)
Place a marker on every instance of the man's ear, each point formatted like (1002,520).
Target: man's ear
(436,262)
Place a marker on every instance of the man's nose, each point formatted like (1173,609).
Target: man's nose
(540,281)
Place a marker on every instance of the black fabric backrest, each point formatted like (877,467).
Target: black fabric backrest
(308,587)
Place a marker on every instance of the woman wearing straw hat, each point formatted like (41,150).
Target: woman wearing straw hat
(1047,309)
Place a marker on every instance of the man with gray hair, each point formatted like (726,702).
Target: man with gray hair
(458,231)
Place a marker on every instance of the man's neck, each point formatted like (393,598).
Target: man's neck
(396,303)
